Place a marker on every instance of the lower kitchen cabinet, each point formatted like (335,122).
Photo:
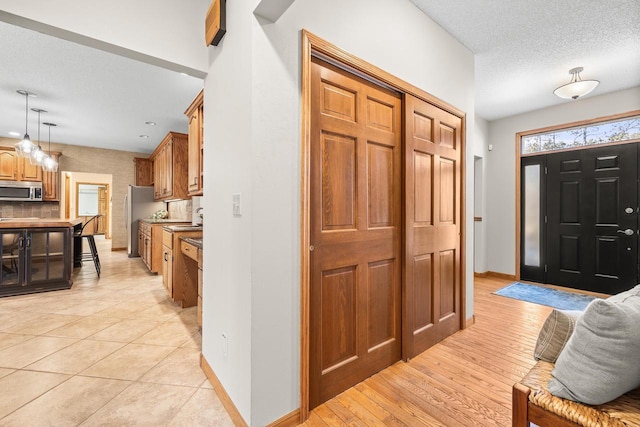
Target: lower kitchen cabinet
(35,260)
(179,274)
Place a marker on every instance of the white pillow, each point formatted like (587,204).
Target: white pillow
(601,360)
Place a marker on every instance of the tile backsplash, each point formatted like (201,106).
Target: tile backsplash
(30,209)
(180,209)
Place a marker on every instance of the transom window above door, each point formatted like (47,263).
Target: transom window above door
(618,130)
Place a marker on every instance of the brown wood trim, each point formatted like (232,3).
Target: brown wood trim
(497,275)
(580,123)
(483,274)
(305,225)
(228,404)
(518,207)
(118,249)
(470,321)
(346,58)
(197,101)
(289,420)
(314,44)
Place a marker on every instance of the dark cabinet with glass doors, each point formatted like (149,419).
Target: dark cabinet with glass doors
(35,260)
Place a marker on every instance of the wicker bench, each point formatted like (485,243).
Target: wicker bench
(532,403)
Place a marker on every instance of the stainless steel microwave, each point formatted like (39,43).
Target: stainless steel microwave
(20,191)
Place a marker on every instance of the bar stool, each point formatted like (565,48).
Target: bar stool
(87,231)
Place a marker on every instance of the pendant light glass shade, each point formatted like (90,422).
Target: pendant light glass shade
(576,87)
(24,147)
(49,164)
(37,155)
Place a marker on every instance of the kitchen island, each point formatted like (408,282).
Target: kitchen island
(37,254)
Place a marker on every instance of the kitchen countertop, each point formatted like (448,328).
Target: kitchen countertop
(39,222)
(164,221)
(183,227)
(195,241)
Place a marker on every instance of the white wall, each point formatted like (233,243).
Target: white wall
(481,138)
(170,30)
(252,121)
(501,164)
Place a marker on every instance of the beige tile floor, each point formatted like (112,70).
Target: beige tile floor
(113,351)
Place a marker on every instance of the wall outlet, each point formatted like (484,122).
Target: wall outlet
(237,205)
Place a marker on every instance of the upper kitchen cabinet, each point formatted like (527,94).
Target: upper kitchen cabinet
(51,183)
(170,167)
(16,168)
(195,115)
(144,171)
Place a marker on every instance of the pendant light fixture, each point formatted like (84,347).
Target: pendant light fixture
(49,164)
(576,87)
(36,156)
(24,147)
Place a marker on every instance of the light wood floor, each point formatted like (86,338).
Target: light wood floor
(464,381)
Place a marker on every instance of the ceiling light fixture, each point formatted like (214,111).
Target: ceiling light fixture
(37,155)
(150,123)
(49,164)
(576,87)
(24,147)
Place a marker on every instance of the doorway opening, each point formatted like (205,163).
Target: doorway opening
(86,195)
(578,208)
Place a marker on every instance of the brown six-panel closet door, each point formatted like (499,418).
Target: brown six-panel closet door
(356,210)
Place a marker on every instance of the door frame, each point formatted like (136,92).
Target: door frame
(107,233)
(519,156)
(313,45)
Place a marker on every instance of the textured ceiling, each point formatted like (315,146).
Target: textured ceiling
(96,98)
(524,49)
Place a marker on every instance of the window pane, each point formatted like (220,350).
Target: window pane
(532,215)
(627,129)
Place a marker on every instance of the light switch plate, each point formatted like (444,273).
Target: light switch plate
(237,205)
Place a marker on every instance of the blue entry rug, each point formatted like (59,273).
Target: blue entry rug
(562,300)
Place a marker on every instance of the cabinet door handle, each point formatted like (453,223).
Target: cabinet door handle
(165,256)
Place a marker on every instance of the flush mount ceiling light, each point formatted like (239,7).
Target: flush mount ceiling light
(37,155)
(24,147)
(49,164)
(576,87)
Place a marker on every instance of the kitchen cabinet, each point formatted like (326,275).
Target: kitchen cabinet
(143,171)
(180,275)
(35,259)
(150,245)
(51,182)
(14,168)
(170,167)
(195,115)
(192,250)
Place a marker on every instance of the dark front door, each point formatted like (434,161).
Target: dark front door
(592,218)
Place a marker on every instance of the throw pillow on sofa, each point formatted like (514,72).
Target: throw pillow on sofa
(600,361)
(555,333)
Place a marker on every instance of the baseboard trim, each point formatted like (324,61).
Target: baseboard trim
(228,404)
(289,420)
(470,321)
(495,275)
(118,249)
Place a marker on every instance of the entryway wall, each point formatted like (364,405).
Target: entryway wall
(501,165)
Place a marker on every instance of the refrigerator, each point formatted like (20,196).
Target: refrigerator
(138,203)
